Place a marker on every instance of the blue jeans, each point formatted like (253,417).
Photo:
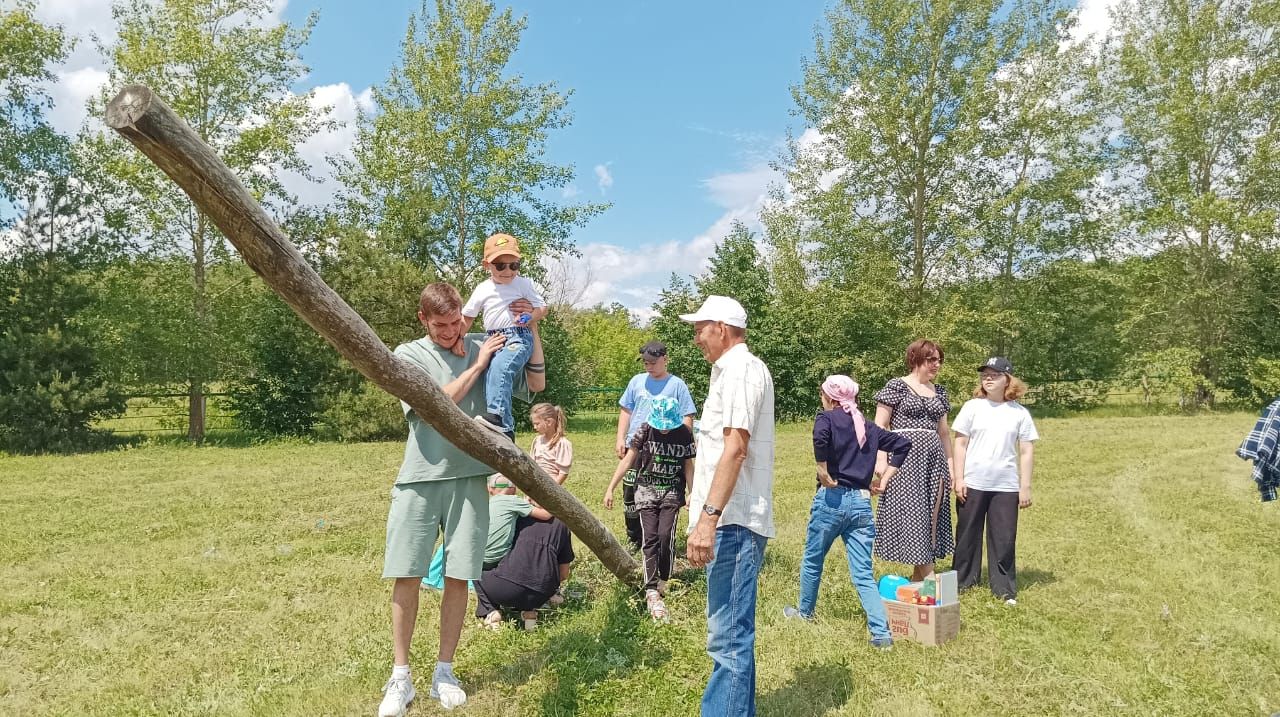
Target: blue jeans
(500,379)
(844,513)
(731,622)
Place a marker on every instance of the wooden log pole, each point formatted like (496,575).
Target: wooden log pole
(146,121)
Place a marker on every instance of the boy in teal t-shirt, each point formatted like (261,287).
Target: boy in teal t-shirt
(504,508)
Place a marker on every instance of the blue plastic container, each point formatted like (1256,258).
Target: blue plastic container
(889,586)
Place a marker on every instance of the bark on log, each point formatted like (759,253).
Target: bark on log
(146,121)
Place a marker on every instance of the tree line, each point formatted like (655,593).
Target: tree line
(973,171)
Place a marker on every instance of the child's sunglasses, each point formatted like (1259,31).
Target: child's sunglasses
(504,265)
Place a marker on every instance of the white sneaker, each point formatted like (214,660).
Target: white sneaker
(397,694)
(1011,602)
(444,687)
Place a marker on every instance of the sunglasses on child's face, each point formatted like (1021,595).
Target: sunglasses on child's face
(504,265)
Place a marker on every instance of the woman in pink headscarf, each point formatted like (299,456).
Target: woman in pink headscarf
(845,446)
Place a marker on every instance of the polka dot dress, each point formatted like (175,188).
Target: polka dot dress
(913,525)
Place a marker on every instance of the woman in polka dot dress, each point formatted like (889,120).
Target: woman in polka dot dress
(913,525)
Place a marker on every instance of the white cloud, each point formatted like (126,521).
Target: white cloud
(632,276)
(570,192)
(341,105)
(604,178)
(82,76)
(743,195)
(635,276)
(733,190)
(71,93)
(1093,20)
(84,72)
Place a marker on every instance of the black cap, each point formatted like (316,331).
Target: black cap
(653,350)
(997,363)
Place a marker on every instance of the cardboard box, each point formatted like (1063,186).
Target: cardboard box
(925,624)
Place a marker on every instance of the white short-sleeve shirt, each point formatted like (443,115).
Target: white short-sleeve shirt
(494,301)
(740,396)
(994,429)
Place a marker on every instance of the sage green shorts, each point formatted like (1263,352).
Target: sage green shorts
(420,511)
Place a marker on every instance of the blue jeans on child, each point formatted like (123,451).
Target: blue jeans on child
(500,379)
(844,513)
(732,581)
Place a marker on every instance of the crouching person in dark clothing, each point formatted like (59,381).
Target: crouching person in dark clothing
(527,577)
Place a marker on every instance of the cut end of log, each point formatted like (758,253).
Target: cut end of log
(128,106)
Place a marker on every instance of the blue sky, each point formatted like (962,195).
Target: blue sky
(678,106)
(678,109)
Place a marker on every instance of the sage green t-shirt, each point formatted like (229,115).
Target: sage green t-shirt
(503,511)
(427,455)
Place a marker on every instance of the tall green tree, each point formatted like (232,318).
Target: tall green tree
(898,92)
(29,146)
(227,68)
(453,150)
(1042,157)
(1196,83)
(605,339)
(683,358)
(53,382)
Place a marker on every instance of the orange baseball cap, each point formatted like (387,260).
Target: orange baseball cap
(501,245)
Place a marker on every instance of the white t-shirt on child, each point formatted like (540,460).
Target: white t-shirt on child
(994,429)
(494,301)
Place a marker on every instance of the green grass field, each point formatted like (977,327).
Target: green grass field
(244,581)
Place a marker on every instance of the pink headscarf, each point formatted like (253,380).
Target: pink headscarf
(844,391)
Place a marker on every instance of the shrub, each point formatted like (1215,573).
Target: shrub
(365,414)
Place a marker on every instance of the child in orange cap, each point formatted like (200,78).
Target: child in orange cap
(492,299)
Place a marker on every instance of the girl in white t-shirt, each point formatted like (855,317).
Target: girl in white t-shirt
(993,457)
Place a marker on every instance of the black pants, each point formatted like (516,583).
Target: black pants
(999,512)
(629,514)
(658,524)
(495,593)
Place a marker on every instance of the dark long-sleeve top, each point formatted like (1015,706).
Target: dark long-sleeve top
(836,444)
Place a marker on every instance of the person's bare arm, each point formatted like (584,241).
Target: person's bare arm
(458,388)
(623,465)
(540,513)
(824,477)
(884,415)
(460,346)
(1026,457)
(944,435)
(620,440)
(957,478)
(535,372)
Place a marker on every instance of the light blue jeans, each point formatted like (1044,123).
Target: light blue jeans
(731,622)
(844,513)
(506,365)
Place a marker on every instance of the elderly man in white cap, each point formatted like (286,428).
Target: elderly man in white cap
(731,507)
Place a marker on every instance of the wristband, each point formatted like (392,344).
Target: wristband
(535,367)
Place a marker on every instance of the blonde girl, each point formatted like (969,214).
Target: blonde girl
(551,450)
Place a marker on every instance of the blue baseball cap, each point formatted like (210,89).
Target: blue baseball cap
(664,413)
